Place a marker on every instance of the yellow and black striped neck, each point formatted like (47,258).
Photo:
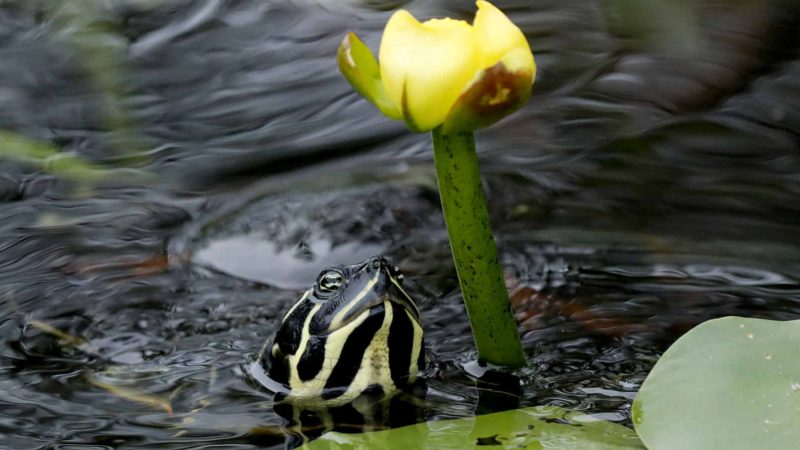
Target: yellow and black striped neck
(355,331)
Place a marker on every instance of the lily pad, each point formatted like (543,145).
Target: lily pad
(730,383)
(541,428)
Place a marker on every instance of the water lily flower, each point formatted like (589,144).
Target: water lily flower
(443,72)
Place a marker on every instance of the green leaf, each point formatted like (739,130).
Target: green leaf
(730,383)
(541,428)
(52,160)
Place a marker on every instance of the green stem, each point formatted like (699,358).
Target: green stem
(474,250)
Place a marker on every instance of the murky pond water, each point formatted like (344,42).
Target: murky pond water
(190,166)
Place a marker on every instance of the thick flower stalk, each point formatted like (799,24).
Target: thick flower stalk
(451,77)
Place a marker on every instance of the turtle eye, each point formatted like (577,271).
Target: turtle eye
(330,281)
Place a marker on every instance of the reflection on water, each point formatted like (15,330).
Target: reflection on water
(649,185)
(256,258)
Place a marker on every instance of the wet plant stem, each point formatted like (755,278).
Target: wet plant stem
(474,250)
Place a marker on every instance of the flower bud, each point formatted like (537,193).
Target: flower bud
(443,72)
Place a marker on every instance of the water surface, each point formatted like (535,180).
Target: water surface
(649,185)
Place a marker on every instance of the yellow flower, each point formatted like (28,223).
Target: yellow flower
(443,72)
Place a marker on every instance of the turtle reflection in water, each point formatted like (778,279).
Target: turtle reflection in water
(345,350)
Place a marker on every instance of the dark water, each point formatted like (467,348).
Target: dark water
(651,183)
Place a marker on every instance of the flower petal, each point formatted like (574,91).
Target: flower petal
(358,65)
(497,34)
(425,66)
(495,93)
